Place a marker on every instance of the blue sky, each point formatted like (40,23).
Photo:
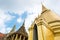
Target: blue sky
(16,11)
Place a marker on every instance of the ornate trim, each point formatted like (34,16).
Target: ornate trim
(53,21)
(55,25)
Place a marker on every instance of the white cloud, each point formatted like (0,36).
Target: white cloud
(54,5)
(3,18)
(19,6)
(4,29)
(8,29)
(19,20)
(30,19)
(32,6)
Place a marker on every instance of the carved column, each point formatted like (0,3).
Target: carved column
(13,37)
(39,29)
(20,37)
(31,32)
(23,38)
(9,38)
(16,37)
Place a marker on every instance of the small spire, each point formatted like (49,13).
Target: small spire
(43,8)
(13,29)
(22,29)
(38,15)
(23,23)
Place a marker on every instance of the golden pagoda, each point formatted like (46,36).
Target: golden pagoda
(46,26)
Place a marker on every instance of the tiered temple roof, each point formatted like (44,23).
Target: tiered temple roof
(22,30)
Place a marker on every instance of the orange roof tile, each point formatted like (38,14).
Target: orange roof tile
(2,35)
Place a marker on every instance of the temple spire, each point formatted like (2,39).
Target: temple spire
(43,8)
(13,29)
(22,29)
(23,23)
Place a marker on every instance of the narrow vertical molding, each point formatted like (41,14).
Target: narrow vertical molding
(31,33)
(42,32)
(39,29)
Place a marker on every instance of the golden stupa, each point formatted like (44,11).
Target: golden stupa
(46,26)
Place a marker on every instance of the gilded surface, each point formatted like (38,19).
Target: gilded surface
(48,26)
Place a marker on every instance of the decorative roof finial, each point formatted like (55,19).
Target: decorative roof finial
(23,23)
(13,29)
(43,7)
